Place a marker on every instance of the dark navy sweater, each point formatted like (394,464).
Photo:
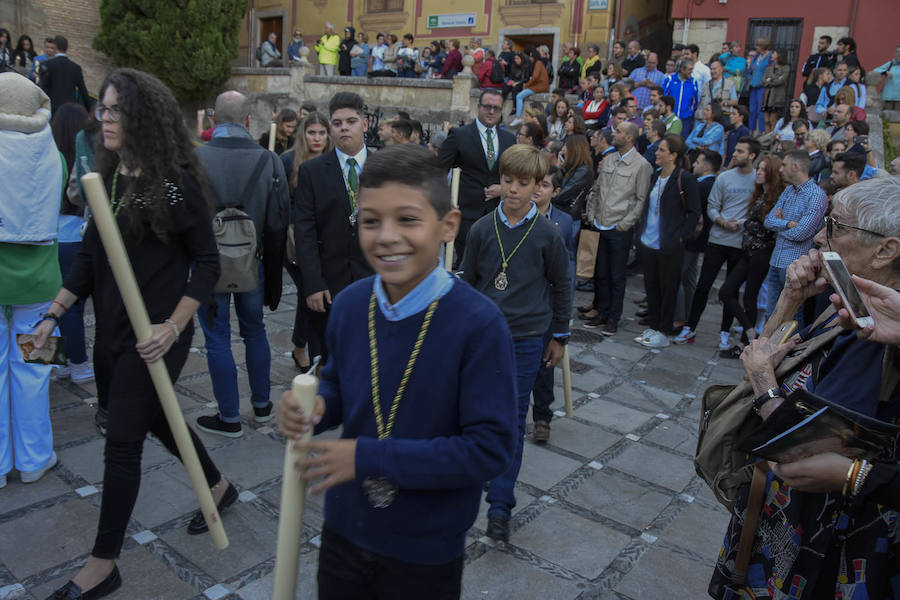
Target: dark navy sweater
(455,427)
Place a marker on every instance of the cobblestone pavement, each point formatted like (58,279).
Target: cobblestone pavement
(611,508)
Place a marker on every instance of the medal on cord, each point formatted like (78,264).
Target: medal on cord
(501,281)
(380,492)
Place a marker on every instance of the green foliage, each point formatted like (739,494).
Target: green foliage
(188,44)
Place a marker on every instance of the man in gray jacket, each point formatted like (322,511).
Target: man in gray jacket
(242,174)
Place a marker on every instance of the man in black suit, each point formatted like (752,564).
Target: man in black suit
(325,231)
(476,149)
(62,79)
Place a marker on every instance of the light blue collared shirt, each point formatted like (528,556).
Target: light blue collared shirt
(360,161)
(531,212)
(435,285)
(230,130)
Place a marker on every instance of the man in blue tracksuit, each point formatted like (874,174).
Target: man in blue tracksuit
(682,87)
(756,71)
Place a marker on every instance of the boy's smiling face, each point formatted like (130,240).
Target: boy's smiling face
(516,193)
(400,235)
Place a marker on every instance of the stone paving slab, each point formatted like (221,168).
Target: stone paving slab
(609,509)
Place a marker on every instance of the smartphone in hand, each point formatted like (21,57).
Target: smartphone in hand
(846,289)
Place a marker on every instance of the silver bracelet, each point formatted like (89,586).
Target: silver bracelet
(175,327)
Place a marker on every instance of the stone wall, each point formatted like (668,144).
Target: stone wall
(708,34)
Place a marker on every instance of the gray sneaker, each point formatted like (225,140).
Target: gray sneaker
(33,476)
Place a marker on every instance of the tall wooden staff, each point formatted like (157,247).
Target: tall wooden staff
(567,380)
(272,128)
(293,493)
(140,322)
(454,202)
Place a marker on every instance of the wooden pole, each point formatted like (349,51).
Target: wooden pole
(293,493)
(454,202)
(272,128)
(567,380)
(140,322)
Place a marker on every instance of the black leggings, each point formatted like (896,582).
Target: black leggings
(134,410)
(714,257)
(662,278)
(751,269)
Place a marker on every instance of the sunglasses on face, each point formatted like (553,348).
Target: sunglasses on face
(831,223)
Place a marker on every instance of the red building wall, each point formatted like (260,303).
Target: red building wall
(872,23)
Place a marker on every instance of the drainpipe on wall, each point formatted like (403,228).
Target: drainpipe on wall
(684,34)
(853,17)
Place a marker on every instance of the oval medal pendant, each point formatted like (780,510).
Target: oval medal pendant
(380,492)
(501,281)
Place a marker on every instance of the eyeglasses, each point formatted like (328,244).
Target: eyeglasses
(831,223)
(115,113)
(490,107)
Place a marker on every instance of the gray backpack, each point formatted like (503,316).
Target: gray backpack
(237,242)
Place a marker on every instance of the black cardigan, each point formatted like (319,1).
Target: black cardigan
(677,216)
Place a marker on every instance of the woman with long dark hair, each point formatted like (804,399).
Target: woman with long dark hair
(23,55)
(757,245)
(784,128)
(68,121)
(5,48)
(775,82)
(157,191)
(577,165)
(556,127)
(670,216)
(313,140)
(519,73)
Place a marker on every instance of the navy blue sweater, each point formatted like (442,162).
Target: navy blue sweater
(455,427)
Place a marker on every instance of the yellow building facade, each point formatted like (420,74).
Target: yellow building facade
(523,22)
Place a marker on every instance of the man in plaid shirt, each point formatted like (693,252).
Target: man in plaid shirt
(796,218)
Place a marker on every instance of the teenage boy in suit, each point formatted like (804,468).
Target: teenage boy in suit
(417,343)
(326,229)
(476,149)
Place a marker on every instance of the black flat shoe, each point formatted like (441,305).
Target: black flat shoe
(70,591)
(198,523)
(498,529)
(300,366)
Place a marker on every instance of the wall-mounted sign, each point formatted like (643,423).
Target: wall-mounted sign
(456,20)
(598,4)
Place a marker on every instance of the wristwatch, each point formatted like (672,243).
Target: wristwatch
(770,393)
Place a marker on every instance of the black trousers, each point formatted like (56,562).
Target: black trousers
(134,410)
(662,278)
(752,270)
(302,334)
(714,257)
(542,392)
(347,572)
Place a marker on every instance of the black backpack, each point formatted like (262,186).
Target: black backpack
(497,74)
(259,53)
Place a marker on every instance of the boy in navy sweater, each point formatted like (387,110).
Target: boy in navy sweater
(518,259)
(543,384)
(420,377)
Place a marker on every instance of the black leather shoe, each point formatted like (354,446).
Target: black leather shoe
(198,523)
(498,529)
(70,591)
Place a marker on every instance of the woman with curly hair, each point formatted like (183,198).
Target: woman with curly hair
(156,188)
(313,140)
(23,55)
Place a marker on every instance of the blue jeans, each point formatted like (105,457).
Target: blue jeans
(359,71)
(756,114)
(543,386)
(249,309)
(774,284)
(520,100)
(528,356)
(687,126)
(609,273)
(71,326)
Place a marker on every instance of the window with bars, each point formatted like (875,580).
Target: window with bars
(380,6)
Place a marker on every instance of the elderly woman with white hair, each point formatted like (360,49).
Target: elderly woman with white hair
(32,177)
(823,533)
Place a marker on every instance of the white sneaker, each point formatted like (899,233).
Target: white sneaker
(657,339)
(33,476)
(645,335)
(685,337)
(724,340)
(82,372)
(63,372)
